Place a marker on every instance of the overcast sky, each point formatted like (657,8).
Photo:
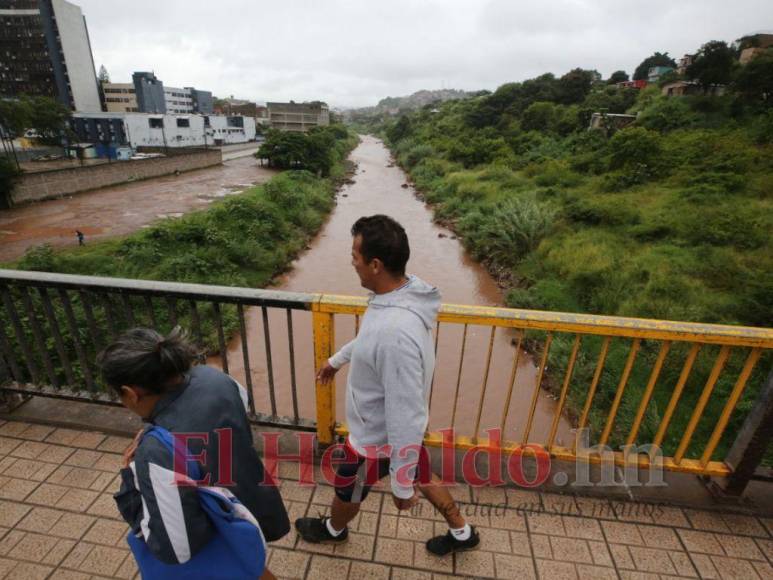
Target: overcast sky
(355,52)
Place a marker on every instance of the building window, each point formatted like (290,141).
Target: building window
(183,122)
(156,123)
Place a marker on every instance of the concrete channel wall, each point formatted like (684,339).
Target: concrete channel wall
(58,182)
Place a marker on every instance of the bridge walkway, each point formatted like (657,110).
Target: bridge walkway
(58,520)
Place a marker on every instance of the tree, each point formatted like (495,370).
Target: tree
(46,115)
(755,80)
(575,85)
(714,64)
(657,59)
(619,76)
(540,116)
(103,76)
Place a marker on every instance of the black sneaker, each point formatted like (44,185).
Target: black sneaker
(444,545)
(314,531)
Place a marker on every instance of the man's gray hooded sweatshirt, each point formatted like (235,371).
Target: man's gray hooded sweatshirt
(392,361)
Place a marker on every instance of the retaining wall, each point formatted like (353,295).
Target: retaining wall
(58,182)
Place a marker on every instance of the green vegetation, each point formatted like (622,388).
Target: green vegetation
(243,240)
(317,151)
(48,117)
(669,218)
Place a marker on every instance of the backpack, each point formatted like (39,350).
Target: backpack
(236,551)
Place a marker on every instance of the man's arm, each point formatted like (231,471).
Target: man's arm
(167,516)
(400,367)
(343,356)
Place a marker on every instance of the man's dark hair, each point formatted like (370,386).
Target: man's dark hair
(385,239)
(142,357)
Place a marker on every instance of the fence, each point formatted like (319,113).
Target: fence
(629,382)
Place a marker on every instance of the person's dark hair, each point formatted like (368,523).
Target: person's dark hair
(385,239)
(142,357)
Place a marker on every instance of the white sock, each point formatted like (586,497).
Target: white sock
(331,529)
(462,534)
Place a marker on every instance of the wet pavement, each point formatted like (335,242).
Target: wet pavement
(123,209)
(58,520)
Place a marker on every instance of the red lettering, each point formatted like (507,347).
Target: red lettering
(494,452)
(447,457)
(272,457)
(181,458)
(225,447)
(515,465)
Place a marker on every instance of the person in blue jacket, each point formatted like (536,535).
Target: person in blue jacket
(156,378)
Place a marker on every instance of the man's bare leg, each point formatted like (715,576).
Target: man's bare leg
(439,496)
(341,513)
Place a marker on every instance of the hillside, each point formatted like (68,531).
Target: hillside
(668,218)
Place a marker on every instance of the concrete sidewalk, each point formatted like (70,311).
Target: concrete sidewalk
(58,520)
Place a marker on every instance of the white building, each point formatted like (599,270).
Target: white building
(178,100)
(158,130)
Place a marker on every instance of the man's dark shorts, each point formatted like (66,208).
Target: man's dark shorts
(355,477)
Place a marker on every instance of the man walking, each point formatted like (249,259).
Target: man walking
(392,361)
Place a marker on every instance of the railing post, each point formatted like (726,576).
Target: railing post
(752,441)
(324,343)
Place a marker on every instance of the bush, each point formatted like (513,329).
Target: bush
(416,154)
(666,114)
(633,147)
(511,229)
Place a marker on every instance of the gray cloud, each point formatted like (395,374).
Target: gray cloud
(353,53)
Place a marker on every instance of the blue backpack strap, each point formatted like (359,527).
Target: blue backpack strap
(175,446)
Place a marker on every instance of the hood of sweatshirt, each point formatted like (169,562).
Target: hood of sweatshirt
(416,296)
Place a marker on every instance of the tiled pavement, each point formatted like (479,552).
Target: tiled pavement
(58,520)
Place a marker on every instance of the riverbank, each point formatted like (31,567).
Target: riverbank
(244,240)
(437,258)
(663,221)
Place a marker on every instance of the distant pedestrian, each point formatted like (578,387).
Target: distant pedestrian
(81,238)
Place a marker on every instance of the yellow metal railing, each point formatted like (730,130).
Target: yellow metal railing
(640,332)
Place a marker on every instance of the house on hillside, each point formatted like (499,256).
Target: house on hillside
(759,44)
(640,84)
(655,72)
(682,88)
(684,62)
(610,121)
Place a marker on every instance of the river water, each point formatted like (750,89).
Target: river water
(437,257)
(122,209)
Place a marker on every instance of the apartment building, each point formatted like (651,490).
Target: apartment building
(45,51)
(298,116)
(120,97)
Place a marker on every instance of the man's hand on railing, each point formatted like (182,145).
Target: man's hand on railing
(326,373)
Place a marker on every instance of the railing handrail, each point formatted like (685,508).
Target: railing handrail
(582,323)
(247,296)
(340,304)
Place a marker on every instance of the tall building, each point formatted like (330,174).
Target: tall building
(298,116)
(45,51)
(149,92)
(153,97)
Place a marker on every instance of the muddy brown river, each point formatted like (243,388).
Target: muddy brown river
(437,257)
(122,209)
